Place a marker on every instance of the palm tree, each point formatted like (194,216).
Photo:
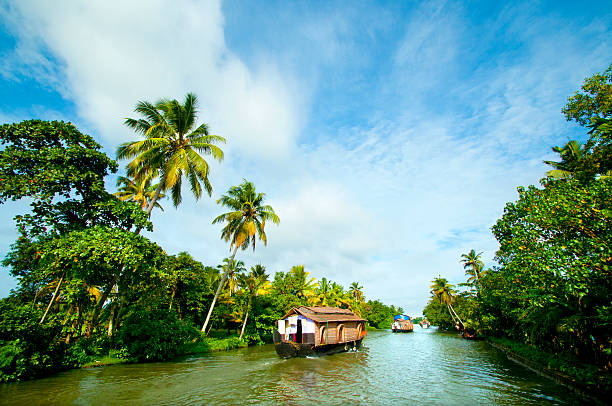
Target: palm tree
(243,225)
(445,292)
(356,292)
(171,148)
(138,191)
(254,283)
(303,285)
(234,269)
(323,293)
(570,154)
(473,266)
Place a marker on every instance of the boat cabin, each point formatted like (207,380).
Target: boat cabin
(319,327)
(402,323)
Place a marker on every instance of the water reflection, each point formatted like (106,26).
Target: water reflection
(423,366)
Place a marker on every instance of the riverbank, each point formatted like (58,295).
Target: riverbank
(584,379)
(204,345)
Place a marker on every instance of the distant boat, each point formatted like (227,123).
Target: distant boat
(402,324)
(424,323)
(305,331)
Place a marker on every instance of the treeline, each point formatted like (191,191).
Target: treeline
(552,287)
(90,286)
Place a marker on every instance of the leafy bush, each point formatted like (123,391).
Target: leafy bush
(154,334)
(28,349)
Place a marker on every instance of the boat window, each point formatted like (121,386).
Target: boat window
(323,336)
(341,333)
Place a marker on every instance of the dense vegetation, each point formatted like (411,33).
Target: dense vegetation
(92,288)
(551,289)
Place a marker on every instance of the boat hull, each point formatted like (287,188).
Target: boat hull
(289,349)
(399,330)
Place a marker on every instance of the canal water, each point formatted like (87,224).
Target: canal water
(423,367)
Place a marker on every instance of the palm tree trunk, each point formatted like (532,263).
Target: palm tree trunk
(152,202)
(223,279)
(111,320)
(172,298)
(98,308)
(52,300)
(450,307)
(246,317)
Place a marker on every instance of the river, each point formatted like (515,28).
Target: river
(423,367)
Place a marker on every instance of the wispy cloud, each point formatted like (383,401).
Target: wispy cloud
(388,143)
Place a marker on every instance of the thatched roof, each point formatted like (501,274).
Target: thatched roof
(324,314)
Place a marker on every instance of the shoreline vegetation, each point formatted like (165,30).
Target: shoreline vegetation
(92,290)
(548,300)
(584,379)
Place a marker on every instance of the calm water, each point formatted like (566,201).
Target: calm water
(424,367)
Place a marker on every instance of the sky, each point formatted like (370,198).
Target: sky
(387,136)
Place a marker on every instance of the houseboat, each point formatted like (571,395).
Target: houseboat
(424,323)
(305,331)
(402,324)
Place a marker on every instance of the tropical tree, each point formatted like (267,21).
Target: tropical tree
(356,292)
(234,269)
(140,191)
(302,285)
(473,266)
(445,293)
(323,293)
(172,148)
(571,155)
(254,283)
(244,224)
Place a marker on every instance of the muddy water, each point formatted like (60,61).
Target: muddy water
(423,367)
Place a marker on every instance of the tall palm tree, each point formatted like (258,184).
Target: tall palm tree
(445,293)
(303,284)
(356,292)
(234,269)
(323,293)
(254,283)
(140,191)
(244,224)
(570,154)
(473,266)
(172,147)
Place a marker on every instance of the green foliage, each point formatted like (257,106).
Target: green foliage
(28,349)
(172,147)
(380,315)
(585,374)
(62,171)
(154,334)
(595,99)
(555,265)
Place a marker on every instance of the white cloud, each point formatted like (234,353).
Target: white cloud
(113,55)
(391,204)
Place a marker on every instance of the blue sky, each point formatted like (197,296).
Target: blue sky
(388,136)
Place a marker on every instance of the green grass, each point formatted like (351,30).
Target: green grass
(210,344)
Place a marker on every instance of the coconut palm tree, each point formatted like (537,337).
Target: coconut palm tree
(254,283)
(323,293)
(445,293)
(172,148)
(570,154)
(244,224)
(473,266)
(303,285)
(234,269)
(356,292)
(138,191)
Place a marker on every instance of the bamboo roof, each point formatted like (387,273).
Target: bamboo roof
(324,314)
